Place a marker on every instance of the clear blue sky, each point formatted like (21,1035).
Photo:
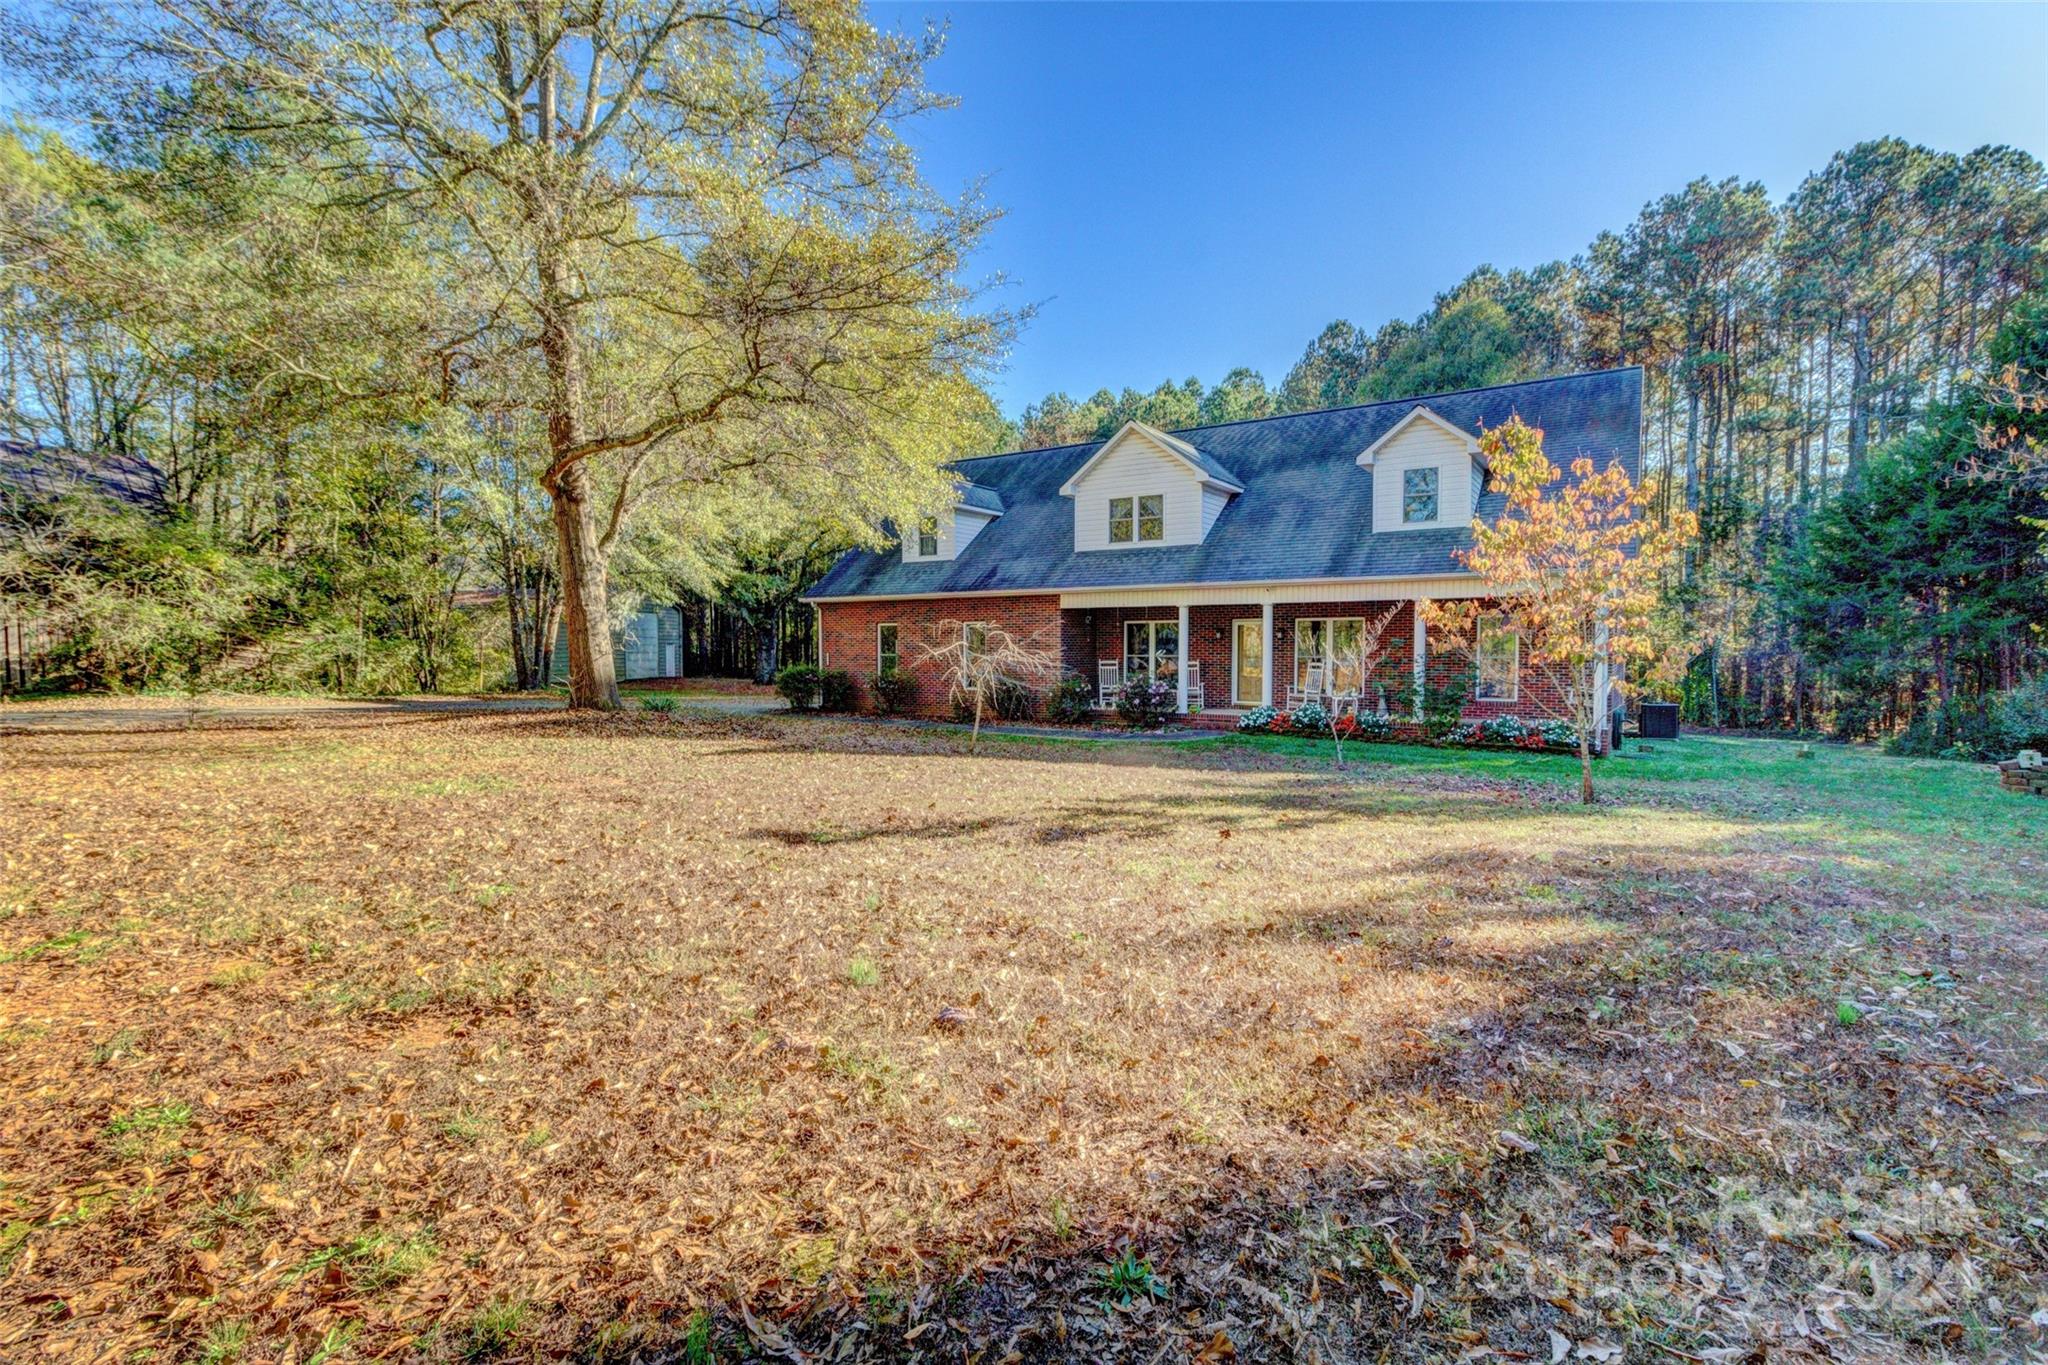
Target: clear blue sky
(1192,187)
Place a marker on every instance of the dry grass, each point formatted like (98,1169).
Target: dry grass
(528,1036)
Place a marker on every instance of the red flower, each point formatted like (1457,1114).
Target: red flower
(1281,723)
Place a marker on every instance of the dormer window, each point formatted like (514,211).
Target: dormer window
(928,540)
(1418,494)
(1141,518)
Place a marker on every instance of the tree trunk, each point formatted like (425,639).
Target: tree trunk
(768,648)
(593,680)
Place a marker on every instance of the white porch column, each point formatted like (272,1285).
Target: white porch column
(1180,663)
(1266,652)
(1421,654)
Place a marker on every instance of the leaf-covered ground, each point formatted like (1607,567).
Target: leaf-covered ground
(722,1038)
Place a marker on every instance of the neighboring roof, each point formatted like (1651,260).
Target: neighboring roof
(1421,413)
(981,497)
(1304,513)
(1204,464)
(46,473)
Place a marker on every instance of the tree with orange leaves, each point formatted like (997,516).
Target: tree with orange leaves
(1574,571)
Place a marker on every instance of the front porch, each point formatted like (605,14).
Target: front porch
(1224,658)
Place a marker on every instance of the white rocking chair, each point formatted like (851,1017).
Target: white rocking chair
(1312,690)
(1109,680)
(1196,699)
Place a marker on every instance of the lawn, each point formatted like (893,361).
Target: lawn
(530,1036)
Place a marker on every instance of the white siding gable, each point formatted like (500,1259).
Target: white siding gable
(1424,444)
(1139,466)
(956,530)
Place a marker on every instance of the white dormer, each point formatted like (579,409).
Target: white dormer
(1426,473)
(944,537)
(1142,488)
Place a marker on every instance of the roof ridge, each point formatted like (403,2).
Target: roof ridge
(1313,412)
(1412,398)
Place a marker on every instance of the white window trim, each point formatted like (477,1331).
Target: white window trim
(881,626)
(1437,494)
(1151,642)
(1137,519)
(1514,692)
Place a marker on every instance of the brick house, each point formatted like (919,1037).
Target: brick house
(1241,562)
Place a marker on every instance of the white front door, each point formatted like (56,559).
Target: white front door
(1248,662)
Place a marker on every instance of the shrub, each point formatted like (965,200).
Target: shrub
(660,705)
(1363,725)
(1257,719)
(892,690)
(1442,704)
(2023,716)
(1281,723)
(798,685)
(1011,700)
(1070,701)
(1146,705)
(1952,732)
(836,690)
(1310,718)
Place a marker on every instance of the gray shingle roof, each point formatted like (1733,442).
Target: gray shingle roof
(982,496)
(45,473)
(1305,513)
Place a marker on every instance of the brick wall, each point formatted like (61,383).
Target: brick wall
(847,636)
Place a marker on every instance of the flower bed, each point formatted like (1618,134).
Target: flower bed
(1496,732)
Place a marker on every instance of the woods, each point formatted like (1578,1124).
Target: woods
(664,273)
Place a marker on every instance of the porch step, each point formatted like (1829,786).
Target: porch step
(1214,718)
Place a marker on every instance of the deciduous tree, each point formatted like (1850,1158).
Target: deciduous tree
(1573,568)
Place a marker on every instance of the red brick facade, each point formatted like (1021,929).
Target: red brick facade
(848,630)
(847,639)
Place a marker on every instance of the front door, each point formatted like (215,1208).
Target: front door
(1248,672)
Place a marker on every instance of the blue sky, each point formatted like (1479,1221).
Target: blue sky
(1192,187)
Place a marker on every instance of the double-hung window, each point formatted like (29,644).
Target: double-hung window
(1151,650)
(928,540)
(887,656)
(1137,519)
(1418,494)
(973,644)
(1499,671)
(1337,643)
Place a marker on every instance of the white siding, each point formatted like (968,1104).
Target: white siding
(957,529)
(1421,445)
(1137,467)
(967,524)
(1214,500)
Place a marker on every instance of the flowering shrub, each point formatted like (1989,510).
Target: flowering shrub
(1363,725)
(1256,719)
(1281,723)
(1145,705)
(1311,719)
(1514,732)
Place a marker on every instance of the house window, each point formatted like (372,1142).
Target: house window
(1338,644)
(974,644)
(928,540)
(886,656)
(1499,663)
(1418,494)
(1141,518)
(1152,517)
(1151,650)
